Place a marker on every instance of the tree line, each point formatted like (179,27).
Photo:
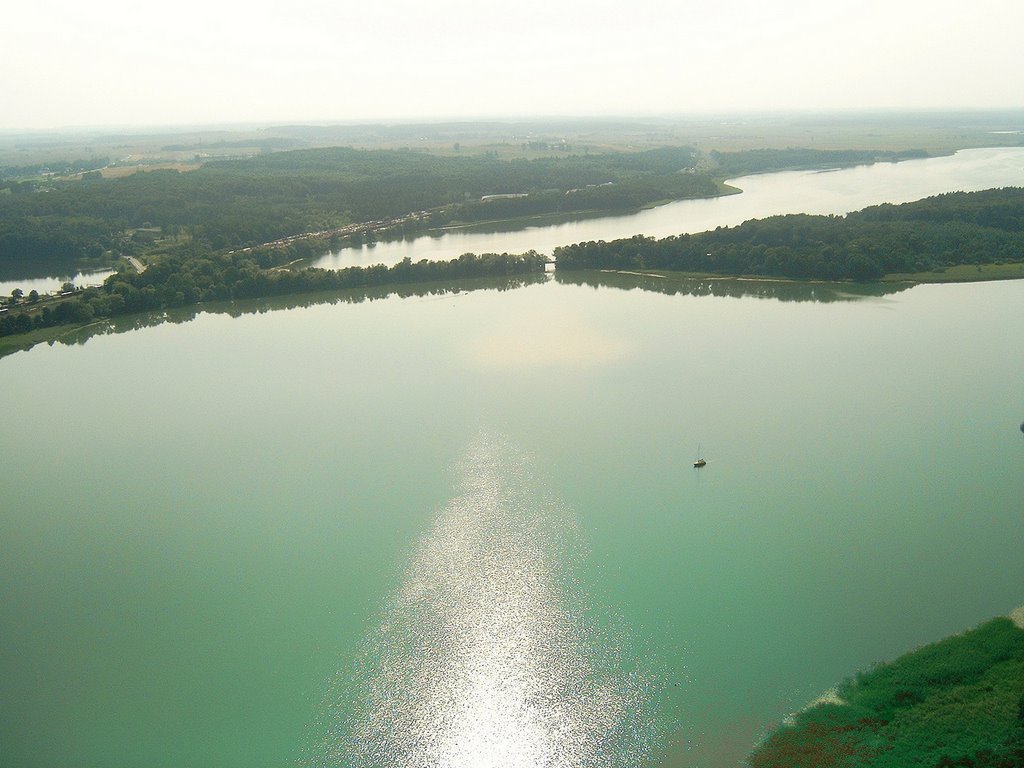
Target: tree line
(188,278)
(124,323)
(931,234)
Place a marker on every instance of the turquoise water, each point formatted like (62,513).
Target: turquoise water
(465,529)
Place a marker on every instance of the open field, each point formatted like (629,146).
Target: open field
(118,171)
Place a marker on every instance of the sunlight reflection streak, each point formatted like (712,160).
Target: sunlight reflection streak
(485,658)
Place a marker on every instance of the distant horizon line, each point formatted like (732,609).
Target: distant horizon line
(847,112)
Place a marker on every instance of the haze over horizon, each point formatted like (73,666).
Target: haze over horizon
(115,63)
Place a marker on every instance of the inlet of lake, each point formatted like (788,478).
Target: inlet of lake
(463,527)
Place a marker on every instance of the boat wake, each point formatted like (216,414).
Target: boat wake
(485,656)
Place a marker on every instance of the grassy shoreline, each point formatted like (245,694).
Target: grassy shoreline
(956,702)
(962,273)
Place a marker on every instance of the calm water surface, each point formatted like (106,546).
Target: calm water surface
(9,280)
(464,529)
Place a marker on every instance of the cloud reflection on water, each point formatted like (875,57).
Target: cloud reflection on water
(545,338)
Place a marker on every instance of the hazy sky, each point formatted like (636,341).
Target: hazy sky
(117,62)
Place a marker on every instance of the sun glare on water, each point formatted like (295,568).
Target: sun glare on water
(485,656)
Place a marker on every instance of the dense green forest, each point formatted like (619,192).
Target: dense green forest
(246,202)
(958,702)
(931,234)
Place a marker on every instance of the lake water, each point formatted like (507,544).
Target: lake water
(13,278)
(829,192)
(463,528)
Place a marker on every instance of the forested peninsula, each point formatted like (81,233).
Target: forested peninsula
(958,703)
(925,236)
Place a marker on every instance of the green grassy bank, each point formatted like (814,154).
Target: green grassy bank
(957,702)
